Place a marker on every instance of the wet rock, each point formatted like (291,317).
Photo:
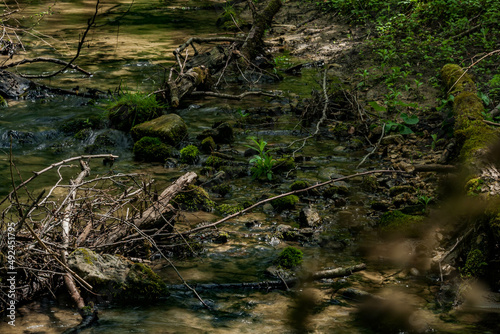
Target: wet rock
(221,133)
(309,217)
(381,205)
(151,149)
(170,129)
(117,277)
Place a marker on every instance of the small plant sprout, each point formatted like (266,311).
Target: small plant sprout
(262,162)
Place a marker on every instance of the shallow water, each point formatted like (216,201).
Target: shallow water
(128,52)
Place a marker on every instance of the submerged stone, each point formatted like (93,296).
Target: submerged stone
(170,129)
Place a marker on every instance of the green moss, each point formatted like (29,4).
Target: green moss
(285,203)
(370,183)
(289,257)
(227,209)
(222,238)
(298,185)
(397,190)
(335,190)
(222,189)
(208,145)
(83,134)
(151,149)
(396,221)
(87,255)
(194,198)
(142,283)
(215,162)
(131,109)
(450,73)
(474,265)
(190,154)
(170,128)
(473,186)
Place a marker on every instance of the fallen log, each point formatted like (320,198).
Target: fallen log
(275,284)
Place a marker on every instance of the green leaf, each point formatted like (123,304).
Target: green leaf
(405,130)
(413,119)
(377,107)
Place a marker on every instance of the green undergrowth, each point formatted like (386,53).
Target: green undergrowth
(412,38)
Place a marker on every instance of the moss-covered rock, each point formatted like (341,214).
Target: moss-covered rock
(151,149)
(170,129)
(73,126)
(208,145)
(474,264)
(221,189)
(221,132)
(331,191)
(398,222)
(115,277)
(190,154)
(283,165)
(216,162)
(131,109)
(285,203)
(194,198)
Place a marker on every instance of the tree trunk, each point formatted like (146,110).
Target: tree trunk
(254,43)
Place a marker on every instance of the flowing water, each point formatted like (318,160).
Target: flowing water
(131,47)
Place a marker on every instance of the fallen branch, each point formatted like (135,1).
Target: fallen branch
(233,97)
(279,196)
(277,284)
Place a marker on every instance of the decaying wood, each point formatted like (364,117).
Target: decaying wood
(154,213)
(66,225)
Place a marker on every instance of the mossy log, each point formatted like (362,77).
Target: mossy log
(186,83)
(472,134)
(479,145)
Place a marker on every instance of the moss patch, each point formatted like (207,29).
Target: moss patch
(190,154)
(285,203)
(396,221)
(289,257)
(151,149)
(194,198)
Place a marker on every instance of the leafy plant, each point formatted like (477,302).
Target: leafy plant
(425,200)
(402,128)
(262,162)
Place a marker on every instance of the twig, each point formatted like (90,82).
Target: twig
(97,156)
(374,149)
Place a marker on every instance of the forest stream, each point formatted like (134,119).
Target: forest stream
(131,48)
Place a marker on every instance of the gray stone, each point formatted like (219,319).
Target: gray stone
(309,217)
